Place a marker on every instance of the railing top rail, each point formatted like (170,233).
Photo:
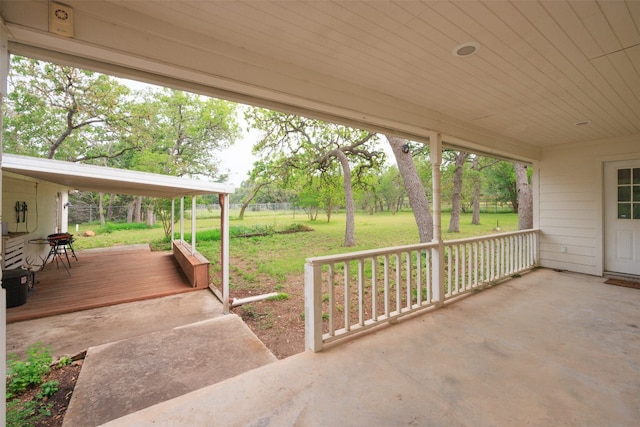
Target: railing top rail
(490,236)
(369,253)
(407,248)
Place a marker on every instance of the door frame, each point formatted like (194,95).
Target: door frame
(600,264)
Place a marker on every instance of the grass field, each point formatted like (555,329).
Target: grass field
(281,254)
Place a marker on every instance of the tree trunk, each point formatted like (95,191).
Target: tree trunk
(151,220)
(456,198)
(350,228)
(130,208)
(110,207)
(525,197)
(251,196)
(101,209)
(137,214)
(475,220)
(417,196)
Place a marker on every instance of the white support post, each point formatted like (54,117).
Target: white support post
(193,225)
(313,306)
(181,220)
(4,72)
(435,142)
(173,220)
(223,200)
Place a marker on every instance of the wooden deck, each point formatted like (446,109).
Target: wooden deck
(101,278)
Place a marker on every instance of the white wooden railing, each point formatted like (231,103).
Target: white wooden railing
(349,293)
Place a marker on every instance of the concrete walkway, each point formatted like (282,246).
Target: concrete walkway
(75,332)
(548,348)
(125,376)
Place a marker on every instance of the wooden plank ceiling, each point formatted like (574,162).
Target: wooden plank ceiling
(540,68)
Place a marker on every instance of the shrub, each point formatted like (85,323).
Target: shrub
(27,373)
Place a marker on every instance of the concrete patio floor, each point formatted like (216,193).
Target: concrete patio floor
(72,333)
(549,348)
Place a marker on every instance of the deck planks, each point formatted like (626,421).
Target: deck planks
(99,279)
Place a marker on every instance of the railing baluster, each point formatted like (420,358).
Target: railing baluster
(386,285)
(374,289)
(361,292)
(428,281)
(409,273)
(398,293)
(347,297)
(419,277)
(332,305)
(476,266)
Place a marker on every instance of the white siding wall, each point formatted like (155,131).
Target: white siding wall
(41,220)
(570,206)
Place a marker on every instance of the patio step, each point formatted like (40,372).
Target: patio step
(126,376)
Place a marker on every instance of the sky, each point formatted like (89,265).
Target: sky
(236,160)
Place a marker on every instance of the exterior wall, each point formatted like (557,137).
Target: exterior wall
(570,202)
(42,202)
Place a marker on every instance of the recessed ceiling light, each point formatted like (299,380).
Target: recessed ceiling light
(582,123)
(465,49)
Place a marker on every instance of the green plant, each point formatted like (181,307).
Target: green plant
(250,311)
(279,297)
(64,361)
(27,373)
(279,287)
(48,389)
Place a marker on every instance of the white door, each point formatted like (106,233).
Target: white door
(622,217)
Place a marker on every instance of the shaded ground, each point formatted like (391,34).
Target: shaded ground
(279,324)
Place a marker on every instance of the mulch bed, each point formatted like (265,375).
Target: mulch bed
(623,282)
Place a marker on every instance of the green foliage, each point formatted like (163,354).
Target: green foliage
(26,415)
(110,227)
(48,389)
(64,361)
(27,373)
(279,297)
(237,231)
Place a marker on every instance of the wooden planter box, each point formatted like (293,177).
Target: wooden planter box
(195,267)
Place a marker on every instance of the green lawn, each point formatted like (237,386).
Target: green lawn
(278,255)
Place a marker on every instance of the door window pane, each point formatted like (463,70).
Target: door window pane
(636,176)
(624,210)
(636,211)
(624,176)
(624,194)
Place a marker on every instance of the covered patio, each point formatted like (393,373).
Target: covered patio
(101,278)
(547,348)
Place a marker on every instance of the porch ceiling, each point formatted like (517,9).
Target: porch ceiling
(541,66)
(108,180)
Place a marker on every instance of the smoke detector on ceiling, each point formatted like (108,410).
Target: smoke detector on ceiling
(60,19)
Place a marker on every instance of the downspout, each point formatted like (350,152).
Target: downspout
(435,142)
(223,200)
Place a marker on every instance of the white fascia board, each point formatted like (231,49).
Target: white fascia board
(100,178)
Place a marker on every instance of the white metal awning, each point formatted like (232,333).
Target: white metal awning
(102,179)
